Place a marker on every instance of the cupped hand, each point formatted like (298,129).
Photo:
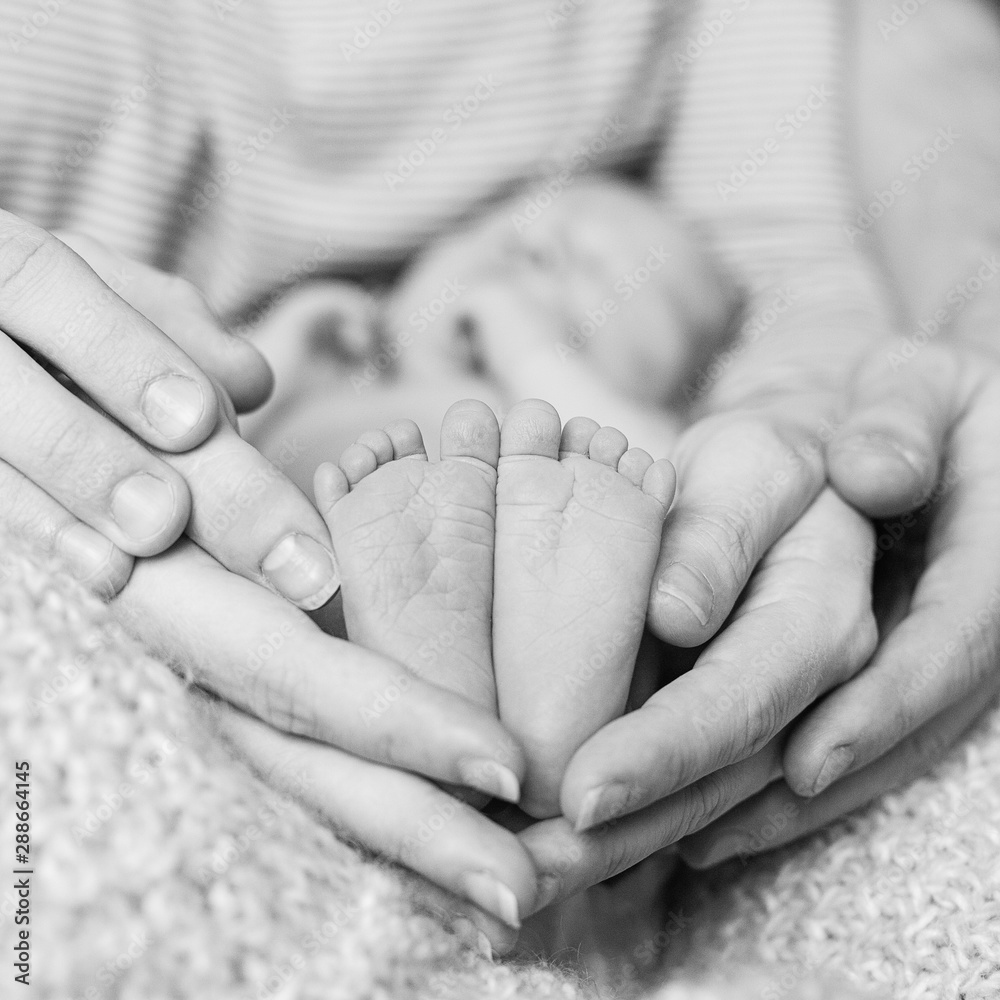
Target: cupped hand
(94,461)
(713,736)
(356,736)
(92,481)
(916,448)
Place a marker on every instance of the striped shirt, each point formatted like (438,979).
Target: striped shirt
(245,143)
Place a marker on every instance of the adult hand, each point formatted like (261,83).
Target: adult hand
(124,334)
(713,736)
(354,734)
(81,481)
(919,432)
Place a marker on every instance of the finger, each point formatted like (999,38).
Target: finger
(86,464)
(401,816)
(742,485)
(181,312)
(568,861)
(29,512)
(53,302)
(778,816)
(885,456)
(255,651)
(255,521)
(947,646)
(804,626)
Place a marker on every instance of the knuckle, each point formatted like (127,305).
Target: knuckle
(728,539)
(705,800)
(281,695)
(767,711)
(616,858)
(110,580)
(27,254)
(61,444)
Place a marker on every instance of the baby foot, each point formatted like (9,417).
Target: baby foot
(414,544)
(578,523)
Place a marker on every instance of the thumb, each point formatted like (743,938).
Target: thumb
(886,454)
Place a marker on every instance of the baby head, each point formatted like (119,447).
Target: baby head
(597,269)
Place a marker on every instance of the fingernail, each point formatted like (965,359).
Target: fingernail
(488,892)
(548,889)
(490,777)
(142,505)
(87,551)
(602,804)
(834,767)
(173,404)
(691,588)
(884,446)
(471,936)
(302,570)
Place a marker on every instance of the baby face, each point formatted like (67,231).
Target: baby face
(602,271)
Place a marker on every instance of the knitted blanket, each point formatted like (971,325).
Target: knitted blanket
(160,867)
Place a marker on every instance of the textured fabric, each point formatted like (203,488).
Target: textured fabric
(238,140)
(163,869)
(249,142)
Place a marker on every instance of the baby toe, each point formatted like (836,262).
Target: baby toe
(660,482)
(329,485)
(407,441)
(380,444)
(608,446)
(470,430)
(531,427)
(358,461)
(577,435)
(633,465)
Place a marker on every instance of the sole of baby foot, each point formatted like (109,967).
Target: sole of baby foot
(578,522)
(413,541)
